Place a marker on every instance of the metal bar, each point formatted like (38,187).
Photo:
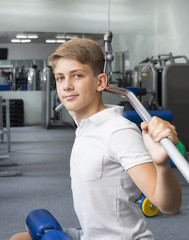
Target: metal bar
(7,104)
(48,98)
(166,143)
(1,119)
(59,107)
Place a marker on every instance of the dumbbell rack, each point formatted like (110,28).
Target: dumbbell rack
(16,107)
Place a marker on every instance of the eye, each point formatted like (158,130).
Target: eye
(78,76)
(59,79)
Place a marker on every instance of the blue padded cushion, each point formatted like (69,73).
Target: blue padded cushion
(39,221)
(135,90)
(55,235)
(134,117)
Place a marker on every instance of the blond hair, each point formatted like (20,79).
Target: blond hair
(83,50)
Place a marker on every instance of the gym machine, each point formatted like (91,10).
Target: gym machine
(167,75)
(49,116)
(6,130)
(7,77)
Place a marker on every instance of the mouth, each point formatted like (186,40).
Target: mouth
(70,97)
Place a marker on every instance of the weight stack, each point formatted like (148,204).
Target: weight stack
(16,113)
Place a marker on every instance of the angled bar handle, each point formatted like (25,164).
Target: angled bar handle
(166,143)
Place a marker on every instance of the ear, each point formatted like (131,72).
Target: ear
(102,82)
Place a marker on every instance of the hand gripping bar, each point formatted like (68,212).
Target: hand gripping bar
(166,143)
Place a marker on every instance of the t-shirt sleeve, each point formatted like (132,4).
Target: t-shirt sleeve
(128,148)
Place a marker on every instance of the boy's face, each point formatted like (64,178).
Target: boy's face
(77,87)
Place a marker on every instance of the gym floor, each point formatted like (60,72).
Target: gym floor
(42,157)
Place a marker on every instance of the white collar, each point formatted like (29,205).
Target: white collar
(104,115)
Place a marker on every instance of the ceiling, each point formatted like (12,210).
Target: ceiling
(86,17)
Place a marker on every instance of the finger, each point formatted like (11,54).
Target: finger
(167,133)
(154,129)
(157,125)
(159,129)
(144,127)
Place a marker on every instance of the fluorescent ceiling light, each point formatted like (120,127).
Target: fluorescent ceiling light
(55,41)
(60,41)
(50,41)
(60,36)
(66,36)
(21,36)
(21,40)
(71,37)
(15,40)
(24,36)
(25,40)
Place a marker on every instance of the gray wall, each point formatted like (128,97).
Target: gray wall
(170,33)
(28,51)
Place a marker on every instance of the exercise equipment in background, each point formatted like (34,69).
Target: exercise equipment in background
(49,115)
(147,208)
(166,143)
(5,129)
(16,113)
(182,150)
(167,75)
(169,147)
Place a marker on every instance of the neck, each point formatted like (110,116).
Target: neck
(84,115)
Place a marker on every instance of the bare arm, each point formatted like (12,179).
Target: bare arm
(157,180)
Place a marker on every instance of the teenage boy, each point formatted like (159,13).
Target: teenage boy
(111,161)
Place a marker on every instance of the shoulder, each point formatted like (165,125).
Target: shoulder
(121,123)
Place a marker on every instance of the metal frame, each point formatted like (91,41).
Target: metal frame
(7,131)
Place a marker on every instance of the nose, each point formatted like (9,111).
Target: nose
(68,84)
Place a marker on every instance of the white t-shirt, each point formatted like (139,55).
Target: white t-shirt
(104,195)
